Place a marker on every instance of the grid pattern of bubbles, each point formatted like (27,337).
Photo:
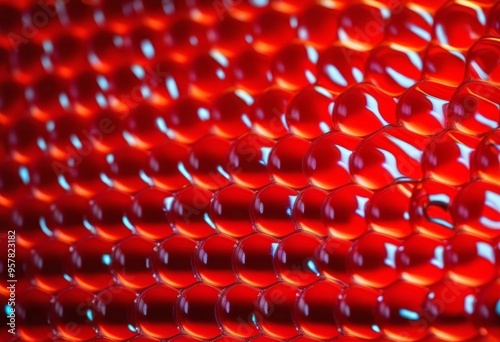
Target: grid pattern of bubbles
(251,170)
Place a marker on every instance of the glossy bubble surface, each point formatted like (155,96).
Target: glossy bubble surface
(250,170)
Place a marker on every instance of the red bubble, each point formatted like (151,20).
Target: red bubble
(268,113)
(184,38)
(473,109)
(229,211)
(294,261)
(483,59)
(314,21)
(430,209)
(253,260)
(72,314)
(271,30)
(363,103)
(272,210)
(26,139)
(49,267)
(399,312)
(213,260)
(485,309)
(285,162)
(107,215)
(128,85)
(26,61)
(421,260)
(116,15)
(114,308)
(444,65)
(372,260)
(32,313)
(209,74)
(142,126)
(230,114)
(45,183)
(207,162)
(90,264)
(189,212)
(343,211)
(83,173)
(155,311)
(307,210)
(202,11)
(422,109)
(314,310)
(361,26)
(174,261)
(12,100)
(410,27)
(65,53)
(12,185)
(133,262)
(294,66)
(355,312)
(28,218)
(309,113)
(487,157)
(186,121)
(68,217)
(147,214)
(106,49)
(105,131)
(388,211)
(470,260)
(460,36)
(329,155)
(77,15)
(391,154)
(167,81)
(275,311)
(248,159)
(393,69)
(229,35)
(195,311)
(251,71)
(144,43)
(339,67)
(449,308)
(448,157)
(331,258)
(475,209)
(65,133)
(166,165)
(235,310)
